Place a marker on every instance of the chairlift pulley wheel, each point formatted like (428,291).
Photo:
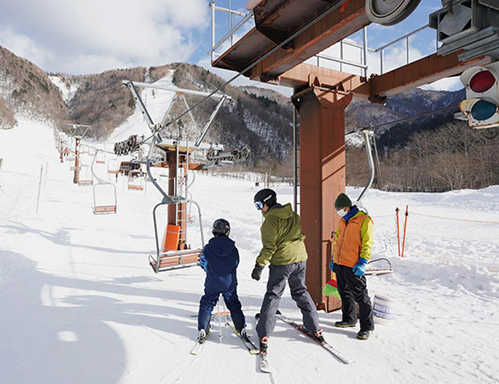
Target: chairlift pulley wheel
(389,12)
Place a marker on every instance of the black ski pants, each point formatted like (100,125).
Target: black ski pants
(353,289)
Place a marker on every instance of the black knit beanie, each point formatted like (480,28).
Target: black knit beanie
(342,201)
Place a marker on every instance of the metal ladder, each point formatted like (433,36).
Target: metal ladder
(182,177)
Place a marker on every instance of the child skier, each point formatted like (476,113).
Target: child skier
(219,260)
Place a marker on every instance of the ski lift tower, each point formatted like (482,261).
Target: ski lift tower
(78,132)
(286,33)
(178,152)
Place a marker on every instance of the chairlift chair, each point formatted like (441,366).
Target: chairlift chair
(136,180)
(113,167)
(101,158)
(85,176)
(168,257)
(372,271)
(107,189)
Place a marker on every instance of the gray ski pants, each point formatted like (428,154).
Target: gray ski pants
(294,274)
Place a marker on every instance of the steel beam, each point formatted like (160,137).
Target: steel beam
(322,178)
(418,73)
(377,88)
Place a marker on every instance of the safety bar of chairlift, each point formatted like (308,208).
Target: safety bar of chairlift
(367,134)
(379,271)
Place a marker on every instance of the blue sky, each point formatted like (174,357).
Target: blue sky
(91,36)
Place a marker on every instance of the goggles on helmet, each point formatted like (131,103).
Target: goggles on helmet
(259,205)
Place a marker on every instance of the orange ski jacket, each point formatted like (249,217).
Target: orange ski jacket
(353,240)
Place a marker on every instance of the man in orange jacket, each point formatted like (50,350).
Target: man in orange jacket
(352,250)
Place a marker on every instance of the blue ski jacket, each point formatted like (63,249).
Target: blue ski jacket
(220,258)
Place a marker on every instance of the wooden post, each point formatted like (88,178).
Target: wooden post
(176,212)
(77,161)
(322,178)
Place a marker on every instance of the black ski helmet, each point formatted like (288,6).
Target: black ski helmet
(221,227)
(266,196)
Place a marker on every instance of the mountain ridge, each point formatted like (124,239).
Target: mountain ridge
(258,117)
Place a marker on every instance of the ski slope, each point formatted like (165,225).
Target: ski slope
(80,304)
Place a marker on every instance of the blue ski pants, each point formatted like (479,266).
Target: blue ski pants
(208,302)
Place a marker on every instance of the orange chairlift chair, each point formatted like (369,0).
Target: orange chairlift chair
(85,176)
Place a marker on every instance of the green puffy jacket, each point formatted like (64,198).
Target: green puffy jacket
(282,238)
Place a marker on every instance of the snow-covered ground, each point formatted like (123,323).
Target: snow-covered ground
(67,91)
(80,304)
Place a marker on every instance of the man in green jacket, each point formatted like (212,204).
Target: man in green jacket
(284,248)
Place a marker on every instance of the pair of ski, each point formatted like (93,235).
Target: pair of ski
(264,364)
(201,341)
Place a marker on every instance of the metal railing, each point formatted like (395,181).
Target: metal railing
(232,29)
(342,61)
(406,37)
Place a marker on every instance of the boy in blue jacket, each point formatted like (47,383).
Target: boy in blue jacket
(219,260)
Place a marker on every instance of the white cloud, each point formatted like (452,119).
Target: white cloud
(22,46)
(76,35)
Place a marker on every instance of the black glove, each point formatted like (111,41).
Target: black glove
(257,272)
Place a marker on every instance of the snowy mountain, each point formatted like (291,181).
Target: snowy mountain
(80,304)
(260,118)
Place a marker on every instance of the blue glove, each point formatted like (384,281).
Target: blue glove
(360,268)
(203,262)
(331,265)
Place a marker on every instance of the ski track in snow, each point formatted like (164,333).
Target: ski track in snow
(80,304)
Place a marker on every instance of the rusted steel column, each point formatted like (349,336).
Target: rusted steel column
(322,178)
(77,161)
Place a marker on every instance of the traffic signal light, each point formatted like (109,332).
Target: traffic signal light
(482,96)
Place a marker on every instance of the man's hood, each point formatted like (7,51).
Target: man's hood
(282,212)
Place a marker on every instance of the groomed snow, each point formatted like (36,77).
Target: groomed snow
(80,304)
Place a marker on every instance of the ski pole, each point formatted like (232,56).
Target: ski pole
(219,319)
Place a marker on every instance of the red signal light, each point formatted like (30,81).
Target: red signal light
(482,81)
